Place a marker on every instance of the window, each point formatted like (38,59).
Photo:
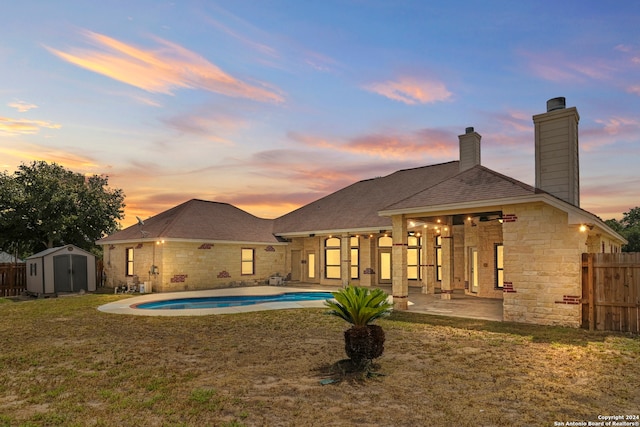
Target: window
(355,257)
(311,265)
(129,265)
(385,242)
(413,258)
(438,258)
(247,262)
(499,256)
(33,269)
(332,258)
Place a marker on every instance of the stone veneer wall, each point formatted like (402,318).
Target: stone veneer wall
(193,265)
(459,250)
(542,259)
(484,235)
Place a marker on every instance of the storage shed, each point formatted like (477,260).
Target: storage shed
(63,269)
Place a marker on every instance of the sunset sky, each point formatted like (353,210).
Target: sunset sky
(269,105)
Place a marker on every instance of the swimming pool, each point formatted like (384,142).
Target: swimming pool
(231,301)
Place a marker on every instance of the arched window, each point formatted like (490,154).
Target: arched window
(385,242)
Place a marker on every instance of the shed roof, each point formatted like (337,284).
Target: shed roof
(49,251)
(357,206)
(200,220)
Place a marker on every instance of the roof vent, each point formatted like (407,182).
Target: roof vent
(556,104)
(469,129)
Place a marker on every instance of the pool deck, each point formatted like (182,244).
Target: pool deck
(460,305)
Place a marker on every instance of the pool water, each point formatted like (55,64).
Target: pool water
(231,301)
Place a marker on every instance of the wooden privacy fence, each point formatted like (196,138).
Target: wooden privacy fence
(611,292)
(13,279)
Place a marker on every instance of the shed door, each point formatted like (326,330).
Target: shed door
(79,273)
(62,273)
(69,273)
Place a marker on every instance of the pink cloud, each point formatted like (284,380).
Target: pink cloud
(411,90)
(163,69)
(556,67)
(24,127)
(634,89)
(211,126)
(432,143)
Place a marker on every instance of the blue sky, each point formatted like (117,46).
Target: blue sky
(269,105)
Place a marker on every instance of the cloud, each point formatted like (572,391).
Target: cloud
(23,126)
(163,69)
(22,106)
(209,125)
(556,67)
(70,158)
(634,89)
(611,131)
(432,143)
(411,90)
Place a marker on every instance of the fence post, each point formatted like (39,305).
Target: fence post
(592,305)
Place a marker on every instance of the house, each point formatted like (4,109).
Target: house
(445,227)
(195,245)
(62,269)
(6,258)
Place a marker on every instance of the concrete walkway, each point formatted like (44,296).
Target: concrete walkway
(459,305)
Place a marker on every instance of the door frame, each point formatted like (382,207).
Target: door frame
(473,270)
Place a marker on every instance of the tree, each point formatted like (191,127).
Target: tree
(629,228)
(43,205)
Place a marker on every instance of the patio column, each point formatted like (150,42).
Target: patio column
(345,257)
(400,283)
(428,262)
(447,262)
(367,260)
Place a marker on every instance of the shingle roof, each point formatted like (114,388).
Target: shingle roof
(475,184)
(6,258)
(201,220)
(357,206)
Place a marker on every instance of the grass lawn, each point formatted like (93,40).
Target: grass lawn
(62,362)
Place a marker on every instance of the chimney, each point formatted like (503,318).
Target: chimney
(469,149)
(557,166)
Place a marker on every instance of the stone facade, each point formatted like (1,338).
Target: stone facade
(542,254)
(192,265)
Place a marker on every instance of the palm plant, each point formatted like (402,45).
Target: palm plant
(360,307)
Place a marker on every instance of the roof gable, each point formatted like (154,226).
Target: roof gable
(200,220)
(65,248)
(357,206)
(475,184)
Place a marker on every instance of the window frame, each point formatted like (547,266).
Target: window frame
(129,262)
(246,261)
(417,247)
(354,254)
(499,269)
(332,267)
(438,257)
